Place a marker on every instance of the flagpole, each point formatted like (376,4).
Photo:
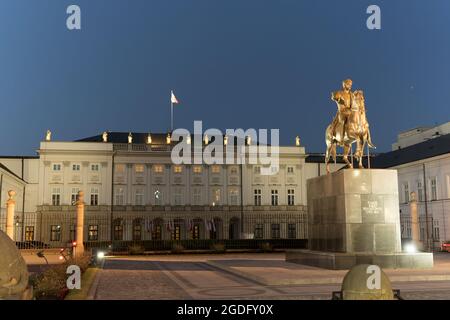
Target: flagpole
(171,111)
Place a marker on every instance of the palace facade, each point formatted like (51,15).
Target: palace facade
(133,191)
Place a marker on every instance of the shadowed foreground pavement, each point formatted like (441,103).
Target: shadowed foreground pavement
(226,277)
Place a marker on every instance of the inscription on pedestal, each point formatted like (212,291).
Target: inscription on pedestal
(372,208)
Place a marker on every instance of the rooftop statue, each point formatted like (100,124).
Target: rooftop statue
(105,136)
(350,125)
(48,135)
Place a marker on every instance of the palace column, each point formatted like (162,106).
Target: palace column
(10,208)
(79,249)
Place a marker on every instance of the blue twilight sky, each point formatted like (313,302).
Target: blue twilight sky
(232,64)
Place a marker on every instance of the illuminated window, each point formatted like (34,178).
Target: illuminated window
(197,169)
(55,233)
(158,168)
(215,196)
(93,232)
(215,169)
(120,168)
(29,233)
(177,169)
(139,168)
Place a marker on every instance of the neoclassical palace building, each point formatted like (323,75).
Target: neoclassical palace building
(134,191)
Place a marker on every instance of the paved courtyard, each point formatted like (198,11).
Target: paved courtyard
(245,276)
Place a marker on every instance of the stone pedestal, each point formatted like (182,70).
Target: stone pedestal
(353,217)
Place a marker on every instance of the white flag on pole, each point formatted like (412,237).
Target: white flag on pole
(173,99)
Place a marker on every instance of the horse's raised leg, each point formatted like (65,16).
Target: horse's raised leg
(327,155)
(346,151)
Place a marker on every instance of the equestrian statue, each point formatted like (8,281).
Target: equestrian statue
(350,125)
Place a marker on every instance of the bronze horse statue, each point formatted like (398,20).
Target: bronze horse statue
(354,129)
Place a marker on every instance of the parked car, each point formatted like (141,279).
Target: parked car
(445,246)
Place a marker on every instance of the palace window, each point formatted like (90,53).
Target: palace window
(420,190)
(94,197)
(406,192)
(55,233)
(176,233)
(56,167)
(177,169)
(73,232)
(257,170)
(178,196)
(74,195)
(158,168)
(76,167)
(137,230)
(290,170)
(257,197)
(259,231)
(29,233)
(196,232)
(139,168)
(197,169)
(156,233)
(215,169)
(433,182)
(274,197)
(291,197)
(94,167)
(158,197)
(216,197)
(436,235)
(120,168)
(234,170)
(139,197)
(56,196)
(118,230)
(292,232)
(234,197)
(120,199)
(197,196)
(93,232)
(275,231)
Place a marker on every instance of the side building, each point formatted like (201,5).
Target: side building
(422,159)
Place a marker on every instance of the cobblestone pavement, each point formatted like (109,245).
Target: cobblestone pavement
(191,277)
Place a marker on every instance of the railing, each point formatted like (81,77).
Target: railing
(168,245)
